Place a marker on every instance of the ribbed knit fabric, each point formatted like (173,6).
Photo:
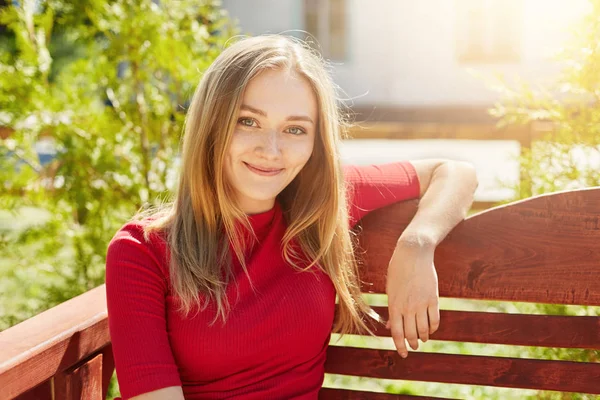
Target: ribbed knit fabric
(273,345)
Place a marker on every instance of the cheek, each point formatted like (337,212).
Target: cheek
(301,152)
(241,142)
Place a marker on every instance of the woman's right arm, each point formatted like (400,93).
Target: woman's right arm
(169,393)
(136,289)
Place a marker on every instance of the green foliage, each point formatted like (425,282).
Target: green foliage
(568,155)
(107,82)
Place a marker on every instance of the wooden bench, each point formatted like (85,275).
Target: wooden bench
(544,249)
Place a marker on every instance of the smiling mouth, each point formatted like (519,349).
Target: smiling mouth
(267,172)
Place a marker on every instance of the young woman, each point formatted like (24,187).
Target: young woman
(229,292)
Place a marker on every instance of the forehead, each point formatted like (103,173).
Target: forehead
(281,92)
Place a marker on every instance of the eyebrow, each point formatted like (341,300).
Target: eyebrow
(264,114)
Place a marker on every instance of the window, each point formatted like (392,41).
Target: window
(326,21)
(489,31)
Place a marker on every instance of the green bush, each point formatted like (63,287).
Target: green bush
(108,82)
(568,156)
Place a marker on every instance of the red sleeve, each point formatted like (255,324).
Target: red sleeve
(136,287)
(375,186)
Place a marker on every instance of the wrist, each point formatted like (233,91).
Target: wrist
(413,253)
(416,240)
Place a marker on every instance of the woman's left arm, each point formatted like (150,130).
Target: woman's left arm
(447,189)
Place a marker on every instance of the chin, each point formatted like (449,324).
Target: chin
(264,198)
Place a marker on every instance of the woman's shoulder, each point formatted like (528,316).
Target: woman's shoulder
(142,240)
(142,230)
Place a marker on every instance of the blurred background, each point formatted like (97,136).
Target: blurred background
(93,95)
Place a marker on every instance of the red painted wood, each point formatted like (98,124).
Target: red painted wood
(108,368)
(543,249)
(42,391)
(513,329)
(53,341)
(342,394)
(83,382)
(473,370)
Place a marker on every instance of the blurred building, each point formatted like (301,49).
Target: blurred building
(427,60)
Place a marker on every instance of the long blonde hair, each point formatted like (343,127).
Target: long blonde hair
(201,221)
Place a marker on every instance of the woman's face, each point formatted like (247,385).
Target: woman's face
(273,138)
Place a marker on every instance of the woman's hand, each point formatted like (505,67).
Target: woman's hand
(413,298)
(446,195)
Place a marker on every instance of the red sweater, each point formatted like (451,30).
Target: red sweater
(273,345)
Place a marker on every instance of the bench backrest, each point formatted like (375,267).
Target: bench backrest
(544,249)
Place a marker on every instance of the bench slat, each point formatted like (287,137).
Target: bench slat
(83,382)
(472,370)
(576,332)
(543,249)
(343,394)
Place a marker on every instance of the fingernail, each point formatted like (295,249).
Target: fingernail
(404,355)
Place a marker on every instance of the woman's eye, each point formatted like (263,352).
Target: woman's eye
(246,121)
(294,130)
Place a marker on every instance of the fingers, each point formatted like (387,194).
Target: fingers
(410,330)
(423,325)
(434,318)
(397,328)
(412,327)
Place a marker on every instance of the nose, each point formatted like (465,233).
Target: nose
(270,146)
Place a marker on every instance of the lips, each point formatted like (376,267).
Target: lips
(260,171)
(263,169)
